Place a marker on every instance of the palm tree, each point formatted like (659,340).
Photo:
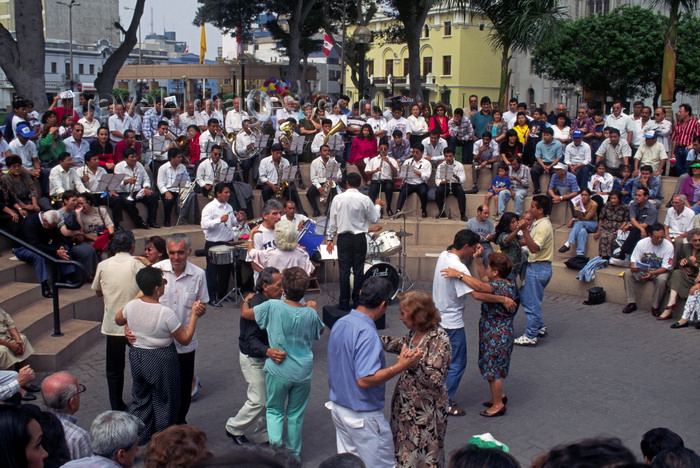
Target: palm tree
(518,25)
(668,72)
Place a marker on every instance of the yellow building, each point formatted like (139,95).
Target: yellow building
(456,60)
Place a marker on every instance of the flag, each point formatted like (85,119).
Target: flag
(187,49)
(327,44)
(202,46)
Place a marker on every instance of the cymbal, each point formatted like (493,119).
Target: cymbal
(398,214)
(403,233)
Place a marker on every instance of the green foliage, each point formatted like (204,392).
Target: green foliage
(619,54)
(120,94)
(230,16)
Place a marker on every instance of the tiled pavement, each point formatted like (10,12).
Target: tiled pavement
(598,373)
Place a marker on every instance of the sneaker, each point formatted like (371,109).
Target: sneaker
(525,341)
(542,332)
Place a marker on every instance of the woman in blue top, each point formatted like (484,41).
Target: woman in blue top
(291,327)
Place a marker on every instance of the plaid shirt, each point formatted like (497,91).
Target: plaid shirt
(586,126)
(463,131)
(683,132)
(77,438)
(150,123)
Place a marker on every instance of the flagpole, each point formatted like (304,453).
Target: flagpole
(202,53)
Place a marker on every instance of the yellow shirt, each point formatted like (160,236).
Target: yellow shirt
(543,235)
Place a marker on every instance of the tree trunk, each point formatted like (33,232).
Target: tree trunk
(668,72)
(413,43)
(104,83)
(505,78)
(302,8)
(26,70)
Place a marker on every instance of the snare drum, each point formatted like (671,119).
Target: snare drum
(372,250)
(388,243)
(222,255)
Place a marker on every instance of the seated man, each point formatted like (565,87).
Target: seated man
(320,185)
(211,171)
(161,143)
(449,178)
(318,141)
(434,147)
(399,148)
(12,383)
(136,186)
(115,441)
(651,153)
(291,215)
(383,169)
(652,260)
(642,215)
(245,150)
(548,153)
(614,151)
(129,141)
(94,173)
(652,184)
(172,178)
(679,220)
(270,170)
(483,226)
(562,186)
(62,177)
(415,173)
(519,175)
(486,151)
(577,156)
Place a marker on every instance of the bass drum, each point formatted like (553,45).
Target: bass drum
(383,270)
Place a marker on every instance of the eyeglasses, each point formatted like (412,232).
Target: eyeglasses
(81,389)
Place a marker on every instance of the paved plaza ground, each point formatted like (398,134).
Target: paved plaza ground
(598,373)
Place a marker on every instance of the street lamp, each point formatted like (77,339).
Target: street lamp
(70,6)
(242,60)
(362,36)
(140,44)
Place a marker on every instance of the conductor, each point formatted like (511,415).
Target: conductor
(351,214)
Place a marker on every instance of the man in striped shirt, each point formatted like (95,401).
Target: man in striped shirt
(685,129)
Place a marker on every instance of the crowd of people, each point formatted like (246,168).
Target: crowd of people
(55,196)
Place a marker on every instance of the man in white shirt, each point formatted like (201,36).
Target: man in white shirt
(262,236)
(434,147)
(415,173)
(663,127)
(326,125)
(398,122)
(91,175)
(64,177)
(118,123)
(206,114)
(641,126)
(161,143)
(486,151)
(350,216)
(383,170)
(190,117)
(210,137)
(577,156)
(621,121)
(136,186)
(614,151)
(512,112)
(651,153)
(270,169)
(25,149)
(291,215)
(76,146)
(449,178)
(220,225)
(449,295)
(679,220)
(378,122)
(522,107)
(211,171)
(234,117)
(186,284)
(245,142)
(172,178)
(318,179)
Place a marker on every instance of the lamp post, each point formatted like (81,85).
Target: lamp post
(140,44)
(362,36)
(242,60)
(70,6)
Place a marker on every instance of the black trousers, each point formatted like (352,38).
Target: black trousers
(387,188)
(455,189)
(150,201)
(217,275)
(352,249)
(312,194)
(114,367)
(420,189)
(536,171)
(113,202)
(633,238)
(186,375)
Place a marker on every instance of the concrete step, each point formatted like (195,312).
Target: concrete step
(16,295)
(54,353)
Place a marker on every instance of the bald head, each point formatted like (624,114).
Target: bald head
(60,393)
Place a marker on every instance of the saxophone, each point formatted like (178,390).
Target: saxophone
(328,185)
(217,174)
(281,186)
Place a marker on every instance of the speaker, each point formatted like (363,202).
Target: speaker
(332,313)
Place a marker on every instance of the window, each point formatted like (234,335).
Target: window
(446,64)
(81,69)
(370,68)
(447,31)
(427,65)
(92,68)
(54,68)
(598,6)
(67,70)
(389,67)
(426,31)
(406,67)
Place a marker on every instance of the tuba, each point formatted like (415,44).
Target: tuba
(259,106)
(339,127)
(287,134)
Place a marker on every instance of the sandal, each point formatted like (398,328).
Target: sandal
(454,410)
(489,404)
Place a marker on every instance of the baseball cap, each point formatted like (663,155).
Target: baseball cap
(561,166)
(577,134)
(24,130)
(650,134)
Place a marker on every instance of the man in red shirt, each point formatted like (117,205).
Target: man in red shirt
(129,141)
(685,129)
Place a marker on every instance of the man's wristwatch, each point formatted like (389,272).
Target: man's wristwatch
(461,276)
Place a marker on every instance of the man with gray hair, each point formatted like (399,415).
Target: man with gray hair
(61,393)
(186,284)
(115,437)
(115,282)
(263,236)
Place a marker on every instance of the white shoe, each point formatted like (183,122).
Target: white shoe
(197,384)
(542,332)
(525,341)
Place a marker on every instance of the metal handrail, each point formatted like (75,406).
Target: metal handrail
(55,285)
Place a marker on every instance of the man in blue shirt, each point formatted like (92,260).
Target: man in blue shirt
(482,118)
(357,374)
(548,153)
(562,186)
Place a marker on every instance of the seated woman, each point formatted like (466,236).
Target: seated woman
(691,187)
(685,274)
(600,185)
(586,221)
(155,368)
(22,186)
(364,147)
(14,346)
(613,217)
(95,222)
(72,232)
(691,311)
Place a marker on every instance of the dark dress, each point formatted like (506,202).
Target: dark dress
(514,252)
(683,278)
(419,404)
(496,333)
(611,220)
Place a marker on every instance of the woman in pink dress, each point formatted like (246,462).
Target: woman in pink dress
(364,146)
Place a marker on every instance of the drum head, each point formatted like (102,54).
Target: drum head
(383,270)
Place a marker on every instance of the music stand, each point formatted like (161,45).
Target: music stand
(334,143)
(261,142)
(288,174)
(446,176)
(297,144)
(181,183)
(109,182)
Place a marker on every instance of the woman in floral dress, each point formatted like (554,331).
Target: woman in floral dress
(419,404)
(612,217)
(507,239)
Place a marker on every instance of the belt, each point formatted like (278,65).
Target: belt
(541,261)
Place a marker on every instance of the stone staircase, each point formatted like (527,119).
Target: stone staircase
(81,310)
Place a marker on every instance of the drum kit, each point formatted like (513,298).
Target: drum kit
(230,254)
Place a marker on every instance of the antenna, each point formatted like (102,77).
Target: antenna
(152,21)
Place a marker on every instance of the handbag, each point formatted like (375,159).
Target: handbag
(595,296)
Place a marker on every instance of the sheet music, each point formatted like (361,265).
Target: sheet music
(331,170)
(447,174)
(261,141)
(297,145)
(328,256)
(227,175)
(109,182)
(335,142)
(289,173)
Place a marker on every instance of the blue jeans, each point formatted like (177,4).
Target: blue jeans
(536,279)
(458,340)
(579,234)
(681,153)
(504,196)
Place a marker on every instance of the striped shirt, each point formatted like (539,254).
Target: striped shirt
(684,132)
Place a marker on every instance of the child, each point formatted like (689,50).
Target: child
(499,183)
(601,184)
(624,184)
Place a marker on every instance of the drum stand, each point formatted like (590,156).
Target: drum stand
(404,278)
(236,291)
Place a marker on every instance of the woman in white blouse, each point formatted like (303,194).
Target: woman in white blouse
(419,127)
